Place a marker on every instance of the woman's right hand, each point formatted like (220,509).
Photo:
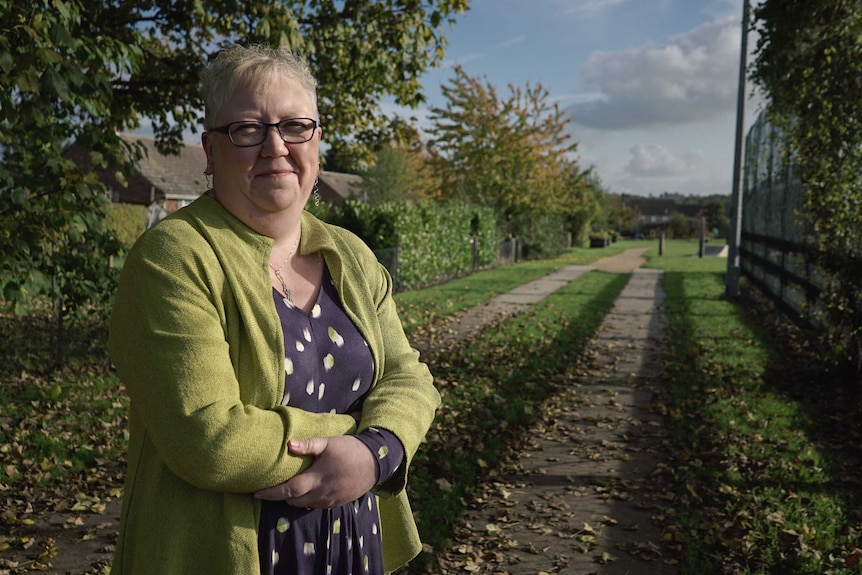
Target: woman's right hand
(344,469)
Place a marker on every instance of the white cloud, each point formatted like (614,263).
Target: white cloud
(461,60)
(473,56)
(591,6)
(654,160)
(692,78)
(520,39)
(654,168)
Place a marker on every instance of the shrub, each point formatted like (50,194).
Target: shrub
(433,239)
(128,222)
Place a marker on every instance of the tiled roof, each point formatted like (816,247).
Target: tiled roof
(180,177)
(343,185)
(176,177)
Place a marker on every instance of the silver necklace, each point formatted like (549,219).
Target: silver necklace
(288,298)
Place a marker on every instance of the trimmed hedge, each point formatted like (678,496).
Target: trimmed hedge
(128,221)
(542,235)
(433,239)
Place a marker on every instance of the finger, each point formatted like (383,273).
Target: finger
(313,446)
(299,486)
(305,502)
(277,493)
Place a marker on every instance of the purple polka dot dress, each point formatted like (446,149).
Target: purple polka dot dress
(328,368)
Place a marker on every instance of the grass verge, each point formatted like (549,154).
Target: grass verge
(767,481)
(423,307)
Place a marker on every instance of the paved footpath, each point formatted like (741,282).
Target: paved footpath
(586,494)
(468,323)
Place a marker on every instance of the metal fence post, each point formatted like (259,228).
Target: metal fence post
(735,236)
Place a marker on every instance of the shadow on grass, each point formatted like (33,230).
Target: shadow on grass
(766,443)
(30,344)
(831,402)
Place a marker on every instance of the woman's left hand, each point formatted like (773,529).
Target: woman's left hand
(344,469)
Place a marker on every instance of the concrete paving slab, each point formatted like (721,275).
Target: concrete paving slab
(583,497)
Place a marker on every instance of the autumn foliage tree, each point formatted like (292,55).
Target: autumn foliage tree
(809,63)
(621,216)
(85,70)
(400,170)
(512,154)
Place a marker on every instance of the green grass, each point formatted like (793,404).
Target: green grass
(423,307)
(765,484)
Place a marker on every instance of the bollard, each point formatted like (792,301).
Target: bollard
(661,244)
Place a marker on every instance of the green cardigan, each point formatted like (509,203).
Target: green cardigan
(196,341)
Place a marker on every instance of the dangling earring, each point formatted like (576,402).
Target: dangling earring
(207,175)
(316,191)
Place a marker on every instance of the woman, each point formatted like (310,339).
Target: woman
(272,386)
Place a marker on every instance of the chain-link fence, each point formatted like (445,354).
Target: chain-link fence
(773,252)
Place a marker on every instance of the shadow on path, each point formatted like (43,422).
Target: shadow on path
(586,494)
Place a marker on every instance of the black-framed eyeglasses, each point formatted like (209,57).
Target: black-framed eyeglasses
(246,133)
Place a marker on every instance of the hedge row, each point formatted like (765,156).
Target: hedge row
(434,241)
(128,221)
(542,235)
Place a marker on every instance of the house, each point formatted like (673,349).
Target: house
(335,187)
(653,211)
(174,181)
(658,211)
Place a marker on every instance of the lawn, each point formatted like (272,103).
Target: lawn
(766,441)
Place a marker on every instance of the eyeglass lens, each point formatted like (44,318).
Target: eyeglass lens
(292,131)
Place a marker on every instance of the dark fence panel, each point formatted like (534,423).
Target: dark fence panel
(775,255)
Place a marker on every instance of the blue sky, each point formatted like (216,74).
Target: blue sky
(650,85)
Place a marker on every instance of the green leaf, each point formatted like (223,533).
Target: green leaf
(57,83)
(6,61)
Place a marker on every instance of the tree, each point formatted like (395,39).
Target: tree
(397,175)
(715,212)
(622,217)
(809,62)
(585,207)
(85,70)
(512,154)
(680,226)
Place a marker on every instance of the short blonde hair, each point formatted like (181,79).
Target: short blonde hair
(252,67)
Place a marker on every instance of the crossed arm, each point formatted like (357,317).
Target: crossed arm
(343,470)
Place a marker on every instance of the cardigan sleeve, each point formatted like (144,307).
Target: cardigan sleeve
(404,399)
(214,423)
